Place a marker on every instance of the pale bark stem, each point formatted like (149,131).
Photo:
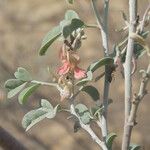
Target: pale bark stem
(103,25)
(128,70)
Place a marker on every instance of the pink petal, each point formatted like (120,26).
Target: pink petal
(79,73)
(64,69)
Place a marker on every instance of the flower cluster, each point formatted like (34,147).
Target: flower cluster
(68,71)
(70,61)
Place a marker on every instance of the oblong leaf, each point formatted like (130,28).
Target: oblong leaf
(109,140)
(100,63)
(46,104)
(92,91)
(134,147)
(23,96)
(22,74)
(12,83)
(83,112)
(15,91)
(33,117)
(95,111)
(49,39)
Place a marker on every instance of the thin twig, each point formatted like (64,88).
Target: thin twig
(128,69)
(103,24)
(44,83)
(88,129)
(98,18)
(135,103)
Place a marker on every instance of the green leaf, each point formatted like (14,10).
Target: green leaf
(45,111)
(23,96)
(12,83)
(109,140)
(15,91)
(70,1)
(139,50)
(64,23)
(57,108)
(46,104)
(35,116)
(100,63)
(83,112)
(22,74)
(92,91)
(85,80)
(75,24)
(70,14)
(49,39)
(95,111)
(134,147)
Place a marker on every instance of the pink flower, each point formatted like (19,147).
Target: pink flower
(66,67)
(70,60)
(79,73)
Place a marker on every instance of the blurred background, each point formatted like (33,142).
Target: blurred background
(23,24)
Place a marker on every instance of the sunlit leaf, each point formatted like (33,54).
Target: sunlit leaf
(100,63)
(71,14)
(15,91)
(109,140)
(49,39)
(46,104)
(23,96)
(84,113)
(35,116)
(92,91)
(22,74)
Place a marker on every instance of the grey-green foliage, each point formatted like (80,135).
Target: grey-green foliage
(134,147)
(93,67)
(70,23)
(24,95)
(102,62)
(22,74)
(12,83)
(110,139)
(15,86)
(18,85)
(92,91)
(34,116)
(96,111)
(16,90)
(83,112)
